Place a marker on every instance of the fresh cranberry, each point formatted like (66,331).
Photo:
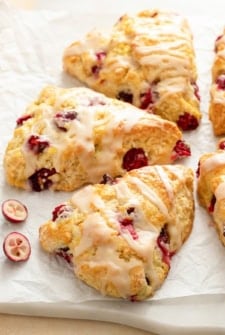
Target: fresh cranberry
(65,253)
(61,211)
(181,150)
(107,179)
(134,159)
(187,121)
(36,144)
(196,91)
(126,224)
(162,242)
(146,99)
(212,204)
(63,118)
(125,96)
(22,119)
(222,145)
(220,81)
(40,179)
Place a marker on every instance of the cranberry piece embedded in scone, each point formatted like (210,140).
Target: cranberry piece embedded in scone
(134,159)
(100,56)
(146,99)
(222,145)
(163,243)
(61,211)
(22,119)
(36,144)
(212,204)
(107,179)
(125,96)
(63,118)
(187,121)
(65,253)
(220,81)
(126,224)
(198,170)
(40,179)
(180,150)
(196,91)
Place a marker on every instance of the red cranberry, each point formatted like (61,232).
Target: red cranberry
(126,224)
(222,145)
(220,81)
(212,204)
(130,210)
(22,119)
(40,179)
(196,91)
(125,96)
(100,56)
(162,242)
(146,99)
(61,211)
(180,150)
(36,144)
(187,121)
(134,159)
(198,170)
(65,253)
(107,179)
(63,118)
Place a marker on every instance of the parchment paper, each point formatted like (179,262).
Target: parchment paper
(31,47)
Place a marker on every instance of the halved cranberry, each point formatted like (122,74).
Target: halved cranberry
(63,118)
(61,211)
(163,242)
(222,145)
(125,96)
(187,121)
(22,119)
(220,81)
(180,150)
(37,144)
(196,91)
(212,204)
(65,253)
(134,159)
(40,179)
(126,224)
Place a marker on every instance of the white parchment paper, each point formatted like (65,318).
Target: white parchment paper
(31,47)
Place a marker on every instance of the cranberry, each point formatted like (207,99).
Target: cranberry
(162,242)
(196,91)
(125,96)
(40,179)
(130,210)
(100,56)
(65,253)
(107,179)
(212,204)
(198,170)
(222,145)
(22,119)
(63,118)
(95,70)
(146,99)
(36,144)
(180,150)
(61,211)
(126,224)
(134,159)
(217,39)
(220,81)
(187,121)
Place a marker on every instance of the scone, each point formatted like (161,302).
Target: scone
(71,137)
(217,91)
(147,60)
(211,187)
(120,236)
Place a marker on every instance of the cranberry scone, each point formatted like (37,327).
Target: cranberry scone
(120,235)
(211,186)
(148,60)
(217,91)
(71,137)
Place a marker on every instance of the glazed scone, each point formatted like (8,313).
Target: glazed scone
(120,236)
(217,91)
(71,137)
(211,187)
(148,60)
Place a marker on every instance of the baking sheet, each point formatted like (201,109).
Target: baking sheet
(32,44)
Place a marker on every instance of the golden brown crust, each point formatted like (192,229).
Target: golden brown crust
(121,236)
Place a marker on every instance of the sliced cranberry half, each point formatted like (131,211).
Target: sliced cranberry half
(222,145)
(16,247)
(125,96)
(40,180)
(134,158)
(187,121)
(37,144)
(126,225)
(63,118)
(163,243)
(181,150)
(14,211)
(220,81)
(22,119)
(61,211)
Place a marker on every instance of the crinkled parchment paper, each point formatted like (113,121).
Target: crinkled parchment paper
(31,47)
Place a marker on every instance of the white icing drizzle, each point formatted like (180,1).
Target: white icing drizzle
(166,181)
(216,160)
(220,191)
(218,96)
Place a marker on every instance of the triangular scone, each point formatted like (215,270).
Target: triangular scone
(147,60)
(211,187)
(217,91)
(71,137)
(120,236)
